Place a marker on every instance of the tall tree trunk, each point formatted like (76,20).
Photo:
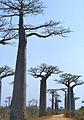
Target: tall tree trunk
(65,104)
(72,102)
(0,91)
(53,102)
(68,102)
(42,106)
(56,105)
(18,106)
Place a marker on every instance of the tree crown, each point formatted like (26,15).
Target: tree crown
(11,8)
(44,71)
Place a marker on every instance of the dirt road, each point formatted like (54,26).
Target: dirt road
(57,117)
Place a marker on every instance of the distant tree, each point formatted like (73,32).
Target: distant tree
(5,71)
(65,100)
(33,102)
(57,103)
(9,100)
(75,99)
(53,93)
(76,83)
(68,79)
(43,71)
(82,101)
(19,10)
(6,102)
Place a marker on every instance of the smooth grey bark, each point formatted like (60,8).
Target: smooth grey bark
(52,102)
(56,105)
(65,100)
(0,91)
(18,106)
(42,105)
(65,103)
(68,101)
(72,102)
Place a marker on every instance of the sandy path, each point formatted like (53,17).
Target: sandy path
(57,117)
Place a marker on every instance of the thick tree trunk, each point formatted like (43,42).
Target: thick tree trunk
(65,104)
(68,102)
(0,91)
(18,106)
(42,106)
(72,102)
(56,105)
(52,102)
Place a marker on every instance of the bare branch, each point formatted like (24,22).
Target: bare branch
(44,71)
(34,7)
(60,33)
(50,24)
(78,83)
(7,5)
(61,81)
(6,71)
(67,79)
(10,15)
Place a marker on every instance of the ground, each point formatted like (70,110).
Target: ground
(55,117)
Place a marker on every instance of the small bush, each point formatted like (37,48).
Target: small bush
(79,114)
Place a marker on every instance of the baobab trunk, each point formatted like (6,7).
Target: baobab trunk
(53,102)
(65,104)
(18,105)
(42,106)
(0,91)
(72,102)
(56,105)
(68,102)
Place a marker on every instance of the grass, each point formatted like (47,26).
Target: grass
(32,114)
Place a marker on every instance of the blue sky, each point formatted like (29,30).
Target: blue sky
(66,53)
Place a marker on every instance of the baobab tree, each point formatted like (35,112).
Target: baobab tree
(75,99)
(53,93)
(76,82)
(6,102)
(19,10)
(65,100)
(57,103)
(5,34)
(70,81)
(5,71)
(43,71)
(9,101)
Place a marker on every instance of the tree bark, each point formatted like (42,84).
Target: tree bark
(65,104)
(0,91)
(72,102)
(56,105)
(42,106)
(53,102)
(68,102)
(18,105)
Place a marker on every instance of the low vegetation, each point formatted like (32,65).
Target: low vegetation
(79,114)
(33,112)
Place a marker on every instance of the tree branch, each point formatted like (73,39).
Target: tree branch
(79,83)
(10,74)
(45,25)
(9,4)
(60,33)
(5,16)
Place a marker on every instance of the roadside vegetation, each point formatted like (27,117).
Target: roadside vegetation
(33,112)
